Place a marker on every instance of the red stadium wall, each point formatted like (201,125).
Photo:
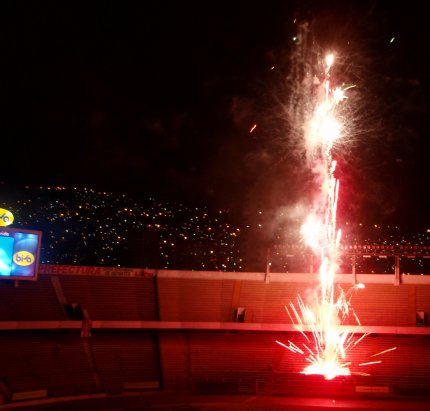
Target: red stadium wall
(172,330)
(217,300)
(211,362)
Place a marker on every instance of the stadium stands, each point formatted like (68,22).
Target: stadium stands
(82,331)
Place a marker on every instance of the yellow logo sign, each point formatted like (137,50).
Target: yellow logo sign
(6,217)
(23,258)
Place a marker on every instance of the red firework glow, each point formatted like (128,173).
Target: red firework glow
(320,320)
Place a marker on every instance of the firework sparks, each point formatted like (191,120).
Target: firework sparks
(328,354)
(320,320)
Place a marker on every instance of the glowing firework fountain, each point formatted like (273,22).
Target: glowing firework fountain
(320,321)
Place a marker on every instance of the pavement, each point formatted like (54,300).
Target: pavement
(163,401)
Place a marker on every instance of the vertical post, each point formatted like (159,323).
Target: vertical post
(267,273)
(354,275)
(235,302)
(55,281)
(396,270)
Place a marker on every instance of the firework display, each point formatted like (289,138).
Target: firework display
(319,319)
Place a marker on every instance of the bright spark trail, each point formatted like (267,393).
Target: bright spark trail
(320,320)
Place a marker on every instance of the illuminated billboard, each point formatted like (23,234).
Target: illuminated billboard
(19,253)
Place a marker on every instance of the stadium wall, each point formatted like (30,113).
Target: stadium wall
(139,330)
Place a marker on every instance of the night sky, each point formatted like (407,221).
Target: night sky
(157,98)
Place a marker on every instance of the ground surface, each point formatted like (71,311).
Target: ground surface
(184,402)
